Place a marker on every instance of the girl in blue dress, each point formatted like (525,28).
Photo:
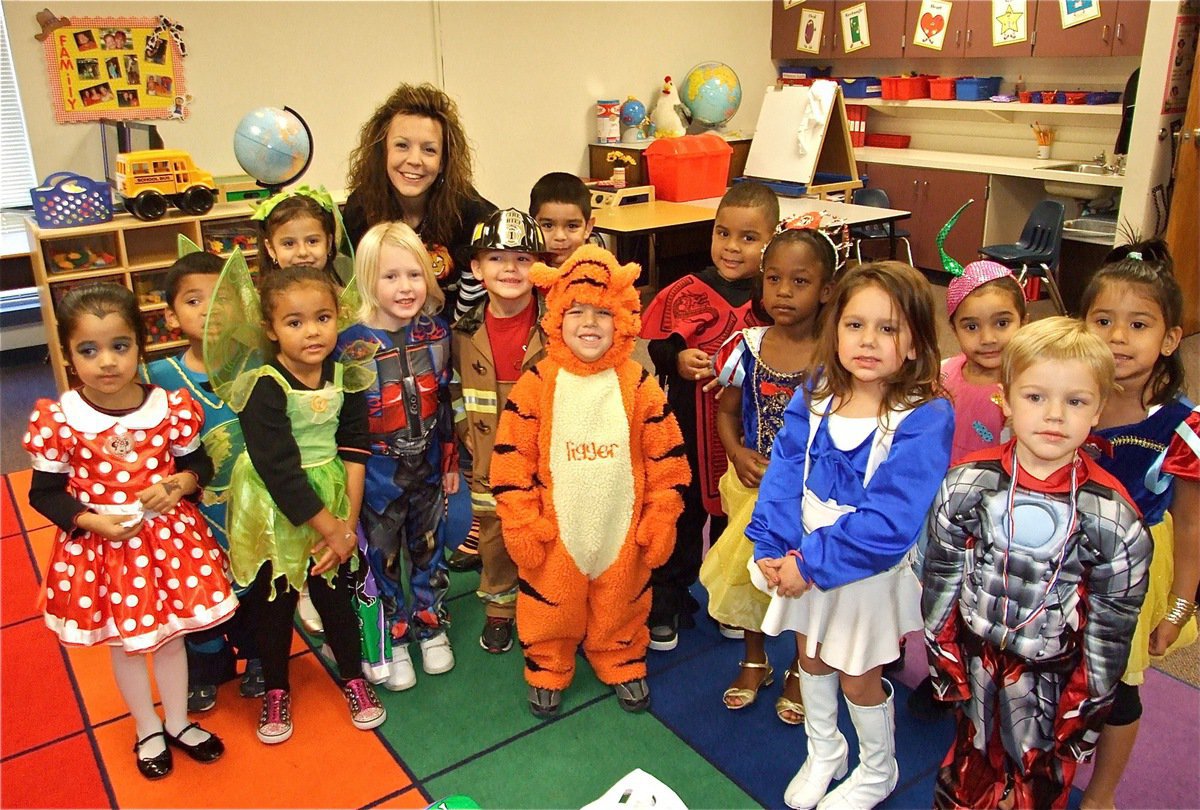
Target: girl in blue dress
(852,474)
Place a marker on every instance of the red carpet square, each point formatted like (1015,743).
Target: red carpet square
(19,481)
(39,703)
(9,523)
(61,775)
(19,594)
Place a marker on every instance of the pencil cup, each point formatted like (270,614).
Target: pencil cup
(1043,152)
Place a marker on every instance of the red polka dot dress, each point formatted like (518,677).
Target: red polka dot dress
(171,577)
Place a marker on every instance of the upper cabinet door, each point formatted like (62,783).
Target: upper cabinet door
(1130,33)
(978,39)
(1091,38)
(802,30)
(884,27)
(950,29)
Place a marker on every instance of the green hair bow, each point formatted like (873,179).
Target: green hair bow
(319,195)
(949,263)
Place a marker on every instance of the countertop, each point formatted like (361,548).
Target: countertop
(983,164)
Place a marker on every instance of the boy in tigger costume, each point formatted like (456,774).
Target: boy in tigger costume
(588,472)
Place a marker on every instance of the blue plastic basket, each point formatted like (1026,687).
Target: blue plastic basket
(977,88)
(861,87)
(66,200)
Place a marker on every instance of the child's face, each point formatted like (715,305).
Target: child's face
(1053,405)
(793,284)
(738,238)
(588,331)
(414,154)
(104,353)
(984,323)
(304,324)
(564,227)
(300,242)
(873,338)
(190,307)
(1131,322)
(401,288)
(504,273)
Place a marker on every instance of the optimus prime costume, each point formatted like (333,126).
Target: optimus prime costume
(1031,592)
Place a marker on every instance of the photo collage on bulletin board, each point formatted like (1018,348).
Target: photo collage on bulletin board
(116,67)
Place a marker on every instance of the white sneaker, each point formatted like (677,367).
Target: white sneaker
(310,620)
(436,655)
(401,674)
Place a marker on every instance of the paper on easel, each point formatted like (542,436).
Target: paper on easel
(790,130)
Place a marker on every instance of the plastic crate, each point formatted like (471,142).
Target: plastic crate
(902,88)
(861,87)
(977,88)
(942,89)
(65,200)
(889,141)
(1028,97)
(1047,96)
(1074,97)
(692,167)
(856,117)
(1104,97)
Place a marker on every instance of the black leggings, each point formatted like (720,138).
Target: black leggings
(274,620)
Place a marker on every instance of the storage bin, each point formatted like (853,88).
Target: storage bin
(692,167)
(1029,97)
(861,87)
(977,88)
(942,89)
(1073,98)
(901,88)
(1048,96)
(889,141)
(856,117)
(65,200)
(1104,97)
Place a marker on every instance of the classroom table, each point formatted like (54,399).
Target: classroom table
(656,217)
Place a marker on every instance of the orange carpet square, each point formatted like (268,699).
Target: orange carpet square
(65,774)
(35,690)
(19,481)
(9,523)
(326,763)
(410,799)
(41,541)
(18,597)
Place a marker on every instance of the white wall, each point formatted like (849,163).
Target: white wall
(526,75)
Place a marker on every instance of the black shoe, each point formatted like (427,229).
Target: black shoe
(253,684)
(154,767)
(209,750)
(924,705)
(462,561)
(633,696)
(664,633)
(201,698)
(497,635)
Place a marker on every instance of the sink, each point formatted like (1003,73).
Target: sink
(1080,168)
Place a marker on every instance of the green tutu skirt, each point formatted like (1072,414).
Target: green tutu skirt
(732,598)
(259,532)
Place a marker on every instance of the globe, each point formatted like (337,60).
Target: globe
(712,92)
(272,145)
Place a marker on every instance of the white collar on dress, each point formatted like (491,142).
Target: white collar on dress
(84,418)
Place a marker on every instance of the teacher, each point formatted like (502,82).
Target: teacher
(413,164)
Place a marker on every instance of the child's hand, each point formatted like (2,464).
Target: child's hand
(694,364)
(1162,637)
(749,466)
(770,571)
(167,493)
(334,547)
(791,581)
(450,482)
(110,527)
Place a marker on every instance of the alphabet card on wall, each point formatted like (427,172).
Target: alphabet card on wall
(856,33)
(116,67)
(931,24)
(1075,12)
(811,31)
(1010,22)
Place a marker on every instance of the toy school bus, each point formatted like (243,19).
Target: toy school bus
(150,179)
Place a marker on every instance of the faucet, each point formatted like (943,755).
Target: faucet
(1100,159)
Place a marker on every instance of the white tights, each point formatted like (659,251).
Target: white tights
(131,672)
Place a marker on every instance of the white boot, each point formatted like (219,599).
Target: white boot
(827,748)
(877,773)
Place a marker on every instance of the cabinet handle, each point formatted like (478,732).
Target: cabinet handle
(958,37)
(1104,33)
(968,37)
(1120,32)
(835,42)
(824,39)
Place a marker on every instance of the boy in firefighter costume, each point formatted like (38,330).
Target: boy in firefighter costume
(588,473)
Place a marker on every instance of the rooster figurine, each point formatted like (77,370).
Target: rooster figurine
(670,117)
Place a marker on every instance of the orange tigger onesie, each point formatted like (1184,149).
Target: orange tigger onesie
(588,473)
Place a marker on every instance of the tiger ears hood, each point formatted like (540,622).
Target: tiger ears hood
(590,275)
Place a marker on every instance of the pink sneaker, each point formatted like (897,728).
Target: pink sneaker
(275,722)
(366,712)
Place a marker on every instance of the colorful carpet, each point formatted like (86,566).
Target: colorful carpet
(65,737)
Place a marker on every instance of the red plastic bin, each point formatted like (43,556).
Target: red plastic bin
(692,167)
(901,88)
(942,89)
(889,141)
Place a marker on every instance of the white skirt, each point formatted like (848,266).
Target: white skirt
(858,626)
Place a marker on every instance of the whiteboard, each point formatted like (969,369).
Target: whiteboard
(791,131)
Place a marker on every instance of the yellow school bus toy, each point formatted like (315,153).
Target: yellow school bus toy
(150,179)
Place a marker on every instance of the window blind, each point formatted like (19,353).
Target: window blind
(17,174)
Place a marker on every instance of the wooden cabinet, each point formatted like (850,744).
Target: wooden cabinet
(885,21)
(134,254)
(1120,30)
(968,29)
(933,195)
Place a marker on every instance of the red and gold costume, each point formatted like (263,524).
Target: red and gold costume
(587,472)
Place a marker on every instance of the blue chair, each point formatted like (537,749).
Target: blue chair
(877,198)
(1038,249)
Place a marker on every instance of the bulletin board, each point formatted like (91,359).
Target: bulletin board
(116,67)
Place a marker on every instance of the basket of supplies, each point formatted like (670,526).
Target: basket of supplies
(66,200)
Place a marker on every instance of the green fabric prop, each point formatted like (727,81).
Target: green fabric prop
(185,246)
(949,264)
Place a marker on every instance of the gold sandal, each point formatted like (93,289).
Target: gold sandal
(784,704)
(748,696)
